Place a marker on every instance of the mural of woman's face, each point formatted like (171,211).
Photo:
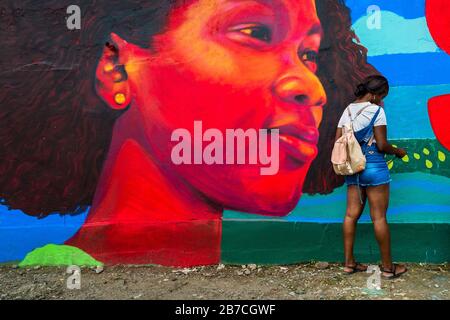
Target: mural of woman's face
(234,64)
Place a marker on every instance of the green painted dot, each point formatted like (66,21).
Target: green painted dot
(405,158)
(441,156)
(426,151)
(429,164)
(416,156)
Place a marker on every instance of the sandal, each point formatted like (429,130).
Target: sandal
(392,271)
(358,267)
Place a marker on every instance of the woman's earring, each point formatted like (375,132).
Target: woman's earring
(120,98)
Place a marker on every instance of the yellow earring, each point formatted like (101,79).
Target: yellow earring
(120,98)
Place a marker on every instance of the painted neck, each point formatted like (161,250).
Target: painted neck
(142,214)
(132,187)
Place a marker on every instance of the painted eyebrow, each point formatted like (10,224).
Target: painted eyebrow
(261,2)
(315,29)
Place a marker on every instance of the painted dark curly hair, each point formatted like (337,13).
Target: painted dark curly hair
(55,131)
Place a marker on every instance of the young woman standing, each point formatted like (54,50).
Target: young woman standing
(369,124)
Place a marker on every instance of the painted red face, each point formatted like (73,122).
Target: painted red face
(235,64)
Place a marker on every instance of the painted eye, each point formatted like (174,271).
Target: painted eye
(310,59)
(311,56)
(258,32)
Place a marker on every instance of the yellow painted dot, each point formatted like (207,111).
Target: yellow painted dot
(394,145)
(405,158)
(426,151)
(429,164)
(441,156)
(416,156)
(390,165)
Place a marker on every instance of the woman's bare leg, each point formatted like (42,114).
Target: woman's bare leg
(352,215)
(379,202)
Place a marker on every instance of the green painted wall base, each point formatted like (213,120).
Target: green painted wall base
(278,242)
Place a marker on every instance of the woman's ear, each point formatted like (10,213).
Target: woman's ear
(112,83)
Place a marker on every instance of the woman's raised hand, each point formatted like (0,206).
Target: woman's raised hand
(400,153)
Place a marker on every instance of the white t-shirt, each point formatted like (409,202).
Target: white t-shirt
(363,120)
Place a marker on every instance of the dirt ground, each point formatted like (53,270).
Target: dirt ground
(303,281)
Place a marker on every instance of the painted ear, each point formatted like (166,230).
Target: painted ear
(112,83)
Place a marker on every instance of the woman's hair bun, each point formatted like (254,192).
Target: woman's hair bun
(375,84)
(361,90)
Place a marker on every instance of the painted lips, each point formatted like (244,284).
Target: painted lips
(300,143)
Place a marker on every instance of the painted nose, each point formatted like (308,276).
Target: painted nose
(302,90)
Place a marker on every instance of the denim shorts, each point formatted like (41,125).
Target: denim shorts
(376,172)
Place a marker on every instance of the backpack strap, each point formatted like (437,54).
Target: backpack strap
(358,113)
(371,140)
(362,109)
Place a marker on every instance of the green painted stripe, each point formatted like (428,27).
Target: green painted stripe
(276,242)
(421,152)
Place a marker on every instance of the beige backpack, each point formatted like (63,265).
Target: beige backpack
(347,156)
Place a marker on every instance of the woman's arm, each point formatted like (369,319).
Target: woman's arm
(383,145)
